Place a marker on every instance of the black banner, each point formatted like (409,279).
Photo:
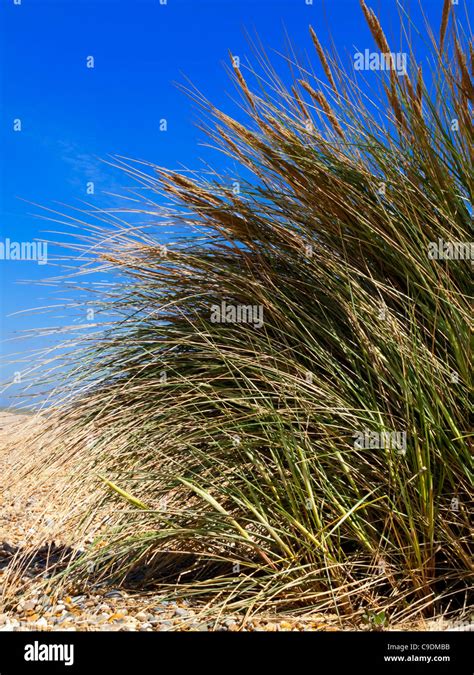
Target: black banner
(384,652)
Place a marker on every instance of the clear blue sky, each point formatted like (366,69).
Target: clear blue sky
(72,115)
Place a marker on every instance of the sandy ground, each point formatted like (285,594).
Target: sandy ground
(35,509)
(32,514)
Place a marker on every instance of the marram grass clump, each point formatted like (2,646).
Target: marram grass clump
(278,415)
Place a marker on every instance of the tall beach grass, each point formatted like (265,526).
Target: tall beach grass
(277,416)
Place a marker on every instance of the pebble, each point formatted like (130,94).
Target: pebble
(114,594)
(57,609)
(10,625)
(77,599)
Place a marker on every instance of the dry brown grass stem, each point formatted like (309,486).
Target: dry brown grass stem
(444,24)
(375,28)
(321,99)
(243,85)
(322,58)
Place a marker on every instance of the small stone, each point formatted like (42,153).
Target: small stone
(114,594)
(32,617)
(117,616)
(29,605)
(181,612)
(114,628)
(165,625)
(92,620)
(286,625)
(77,598)
(141,616)
(41,623)
(159,609)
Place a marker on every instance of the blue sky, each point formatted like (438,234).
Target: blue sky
(71,115)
